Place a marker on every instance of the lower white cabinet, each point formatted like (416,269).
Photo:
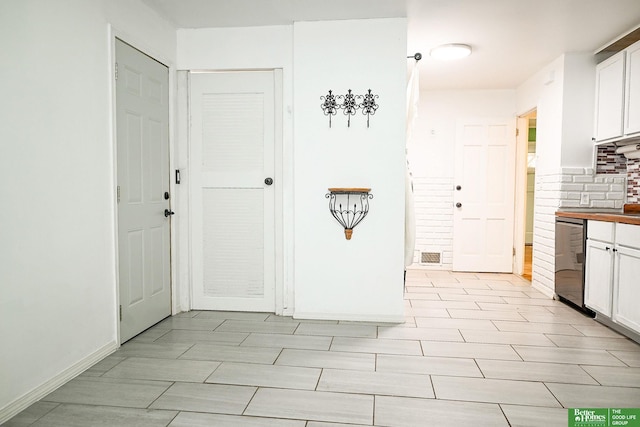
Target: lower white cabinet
(626,306)
(598,277)
(612,274)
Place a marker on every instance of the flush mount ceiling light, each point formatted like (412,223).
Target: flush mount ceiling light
(450,51)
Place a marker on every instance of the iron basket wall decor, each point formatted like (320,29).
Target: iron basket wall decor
(341,201)
(349,104)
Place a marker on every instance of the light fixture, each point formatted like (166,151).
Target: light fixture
(450,51)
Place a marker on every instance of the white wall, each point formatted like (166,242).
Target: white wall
(360,279)
(245,49)
(563,93)
(57,269)
(431,159)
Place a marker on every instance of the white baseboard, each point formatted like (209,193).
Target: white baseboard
(351,317)
(27,399)
(543,289)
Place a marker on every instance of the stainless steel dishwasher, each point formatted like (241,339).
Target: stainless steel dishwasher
(569,260)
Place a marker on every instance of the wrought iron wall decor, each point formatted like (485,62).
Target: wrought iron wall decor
(349,104)
(369,105)
(349,206)
(329,105)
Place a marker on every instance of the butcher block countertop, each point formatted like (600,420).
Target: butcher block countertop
(629,215)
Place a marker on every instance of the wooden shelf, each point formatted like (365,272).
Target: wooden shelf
(349,190)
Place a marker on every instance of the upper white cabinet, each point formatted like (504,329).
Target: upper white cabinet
(632,90)
(617,112)
(610,97)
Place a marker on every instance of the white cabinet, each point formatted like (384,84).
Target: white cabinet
(610,97)
(598,277)
(626,307)
(612,273)
(632,91)
(617,112)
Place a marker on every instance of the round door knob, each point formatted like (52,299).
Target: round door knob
(458,205)
(458,187)
(268,181)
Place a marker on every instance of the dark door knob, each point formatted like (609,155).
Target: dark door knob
(268,181)
(458,205)
(458,187)
(168,213)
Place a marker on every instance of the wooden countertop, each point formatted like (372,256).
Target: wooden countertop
(630,215)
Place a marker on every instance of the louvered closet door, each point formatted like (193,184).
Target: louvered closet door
(232,153)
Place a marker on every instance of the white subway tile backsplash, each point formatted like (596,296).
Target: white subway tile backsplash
(583,178)
(573,171)
(434,218)
(596,187)
(572,187)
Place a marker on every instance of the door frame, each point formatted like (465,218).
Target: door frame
(520,224)
(282,291)
(511,122)
(522,125)
(113,34)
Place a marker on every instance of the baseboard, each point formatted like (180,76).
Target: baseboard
(351,317)
(24,401)
(544,290)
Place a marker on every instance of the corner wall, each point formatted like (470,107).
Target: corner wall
(563,93)
(359,279)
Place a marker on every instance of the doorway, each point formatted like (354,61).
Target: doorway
(527,126)
(143,199)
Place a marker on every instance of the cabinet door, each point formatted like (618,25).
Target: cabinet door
(632,90)
(626,310)
(598,277)
(610,97)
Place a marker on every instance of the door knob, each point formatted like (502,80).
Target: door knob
(458,187)
(268,181)
(168,213)
(458,205)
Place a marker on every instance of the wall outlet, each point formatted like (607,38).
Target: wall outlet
(584,198)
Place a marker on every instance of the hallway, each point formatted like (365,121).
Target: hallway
(480,347)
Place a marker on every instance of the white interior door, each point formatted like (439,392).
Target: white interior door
(142,128)
(484,203)
(231,156)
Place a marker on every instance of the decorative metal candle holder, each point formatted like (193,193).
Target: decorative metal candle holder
(349,206)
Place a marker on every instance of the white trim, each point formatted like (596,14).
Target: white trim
(520,205)
(283,294)
(140,45)
(351,317)
(546,291)
(24,401)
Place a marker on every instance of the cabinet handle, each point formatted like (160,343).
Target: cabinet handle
(607,248)
(615,250)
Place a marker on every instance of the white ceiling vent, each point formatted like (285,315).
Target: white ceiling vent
(430,258)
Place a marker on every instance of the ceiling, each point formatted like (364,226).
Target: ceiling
(511,39)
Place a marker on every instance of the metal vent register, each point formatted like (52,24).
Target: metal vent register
(430,258)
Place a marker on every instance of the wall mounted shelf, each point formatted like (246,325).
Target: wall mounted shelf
(349,206)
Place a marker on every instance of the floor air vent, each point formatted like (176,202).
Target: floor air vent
(430,258)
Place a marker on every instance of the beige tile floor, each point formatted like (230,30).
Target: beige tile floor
(476,349)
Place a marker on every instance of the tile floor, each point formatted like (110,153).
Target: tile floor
(476,349)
